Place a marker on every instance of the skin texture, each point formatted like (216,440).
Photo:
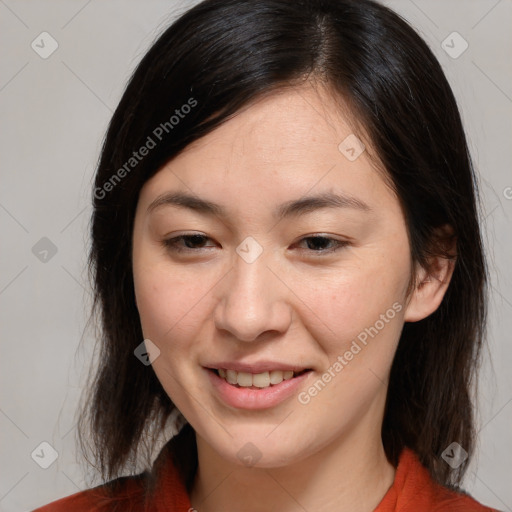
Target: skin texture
(293,304)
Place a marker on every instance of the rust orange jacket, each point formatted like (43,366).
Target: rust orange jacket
(412,491)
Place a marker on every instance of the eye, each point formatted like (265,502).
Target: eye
(195,242)
(191,242)
(317,244)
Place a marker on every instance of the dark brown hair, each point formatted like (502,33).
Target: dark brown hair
(222,55)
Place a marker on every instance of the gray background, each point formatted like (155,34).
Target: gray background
(54,113)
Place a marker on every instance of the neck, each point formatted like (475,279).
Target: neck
(346,475)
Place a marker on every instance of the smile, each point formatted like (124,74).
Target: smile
(262,390)
(256,380)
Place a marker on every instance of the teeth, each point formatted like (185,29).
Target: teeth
(231,376)
(244,379)
(259,380)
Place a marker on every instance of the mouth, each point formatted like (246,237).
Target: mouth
(262,380)
(256,386)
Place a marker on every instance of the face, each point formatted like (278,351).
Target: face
(254,275)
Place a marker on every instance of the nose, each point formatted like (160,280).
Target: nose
(253,301)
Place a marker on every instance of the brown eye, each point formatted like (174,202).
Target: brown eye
(320,244)
(186,243)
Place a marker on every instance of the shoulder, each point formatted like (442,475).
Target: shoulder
(157,490)
(125,494)
(448,500)
(415,490)
(459,502)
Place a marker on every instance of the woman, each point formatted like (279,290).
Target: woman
(286,250)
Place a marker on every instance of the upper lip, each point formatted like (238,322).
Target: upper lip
(255,367)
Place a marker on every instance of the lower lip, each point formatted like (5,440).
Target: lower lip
(247,398)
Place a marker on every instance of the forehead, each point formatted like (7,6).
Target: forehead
(283,146)
(281,125)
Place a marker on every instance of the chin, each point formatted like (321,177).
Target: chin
(262,448)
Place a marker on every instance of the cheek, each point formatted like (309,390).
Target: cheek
(364,316)
(356,301)
(166,301)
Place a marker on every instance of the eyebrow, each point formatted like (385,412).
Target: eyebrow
(291,208)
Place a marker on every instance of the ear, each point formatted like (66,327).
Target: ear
(431,283)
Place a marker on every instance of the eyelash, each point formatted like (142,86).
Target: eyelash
(172,243)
